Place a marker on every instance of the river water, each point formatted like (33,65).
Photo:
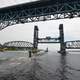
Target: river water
(16,65)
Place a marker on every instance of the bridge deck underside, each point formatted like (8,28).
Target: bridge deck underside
(39,11)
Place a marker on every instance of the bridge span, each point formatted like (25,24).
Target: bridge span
(28,45)
(72,44)
(17,45)
(41,10)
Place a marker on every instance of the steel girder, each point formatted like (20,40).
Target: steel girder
(48,40)
(51,12)
(73,44)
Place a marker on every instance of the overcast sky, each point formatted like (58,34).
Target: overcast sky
(47,28)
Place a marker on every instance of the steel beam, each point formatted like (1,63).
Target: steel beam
(47,42)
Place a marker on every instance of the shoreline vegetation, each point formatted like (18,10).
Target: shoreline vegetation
(15,49)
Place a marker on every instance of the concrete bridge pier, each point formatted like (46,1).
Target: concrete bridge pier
(61,38)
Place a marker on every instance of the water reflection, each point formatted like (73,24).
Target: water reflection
(63,72)
(37,72)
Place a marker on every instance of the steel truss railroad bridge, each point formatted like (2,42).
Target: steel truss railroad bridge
(18,45)
(41,10)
